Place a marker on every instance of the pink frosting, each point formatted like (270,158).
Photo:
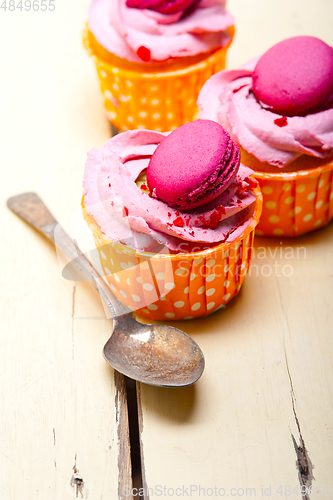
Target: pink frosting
(126,213)
(227,98)
(123,30)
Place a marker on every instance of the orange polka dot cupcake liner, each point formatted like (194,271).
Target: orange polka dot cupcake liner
(161,100)
(295,203)
(176,286)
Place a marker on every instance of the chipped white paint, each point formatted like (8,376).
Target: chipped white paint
(267,378)
(57,396)
(268,353)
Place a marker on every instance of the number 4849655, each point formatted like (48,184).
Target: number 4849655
(35,5)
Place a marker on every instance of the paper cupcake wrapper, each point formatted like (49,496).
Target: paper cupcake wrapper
(295,203)
(158,101)
(176,286)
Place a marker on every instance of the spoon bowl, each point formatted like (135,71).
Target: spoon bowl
(153,354)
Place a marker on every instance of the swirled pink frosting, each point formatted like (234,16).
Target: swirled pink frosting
(227,98)
(123,30)
(126,213)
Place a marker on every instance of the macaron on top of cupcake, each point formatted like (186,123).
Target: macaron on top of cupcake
(193,165)
(295,77)
(278,107)
(123,178)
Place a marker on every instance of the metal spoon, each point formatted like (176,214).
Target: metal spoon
(154,354)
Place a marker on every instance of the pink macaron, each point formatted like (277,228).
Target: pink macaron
(193,165)
(295,77)
(161,6)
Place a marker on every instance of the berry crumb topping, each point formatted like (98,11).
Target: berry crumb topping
(179,222)
(143,53)
(281,122)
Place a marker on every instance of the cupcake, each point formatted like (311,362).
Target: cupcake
(173,217)
(279,109)
(153,56)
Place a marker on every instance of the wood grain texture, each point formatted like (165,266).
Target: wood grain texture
(144,484)
(125,484)
(60,438)
(260,417)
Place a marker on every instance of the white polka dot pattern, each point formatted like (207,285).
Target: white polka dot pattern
(296,203)
(163,100)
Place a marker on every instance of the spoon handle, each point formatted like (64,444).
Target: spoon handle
(32,209)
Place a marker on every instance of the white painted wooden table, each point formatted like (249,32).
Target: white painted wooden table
(261,415)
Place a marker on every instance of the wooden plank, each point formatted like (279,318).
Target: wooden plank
(64,422)
(259,422)
(266,387)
